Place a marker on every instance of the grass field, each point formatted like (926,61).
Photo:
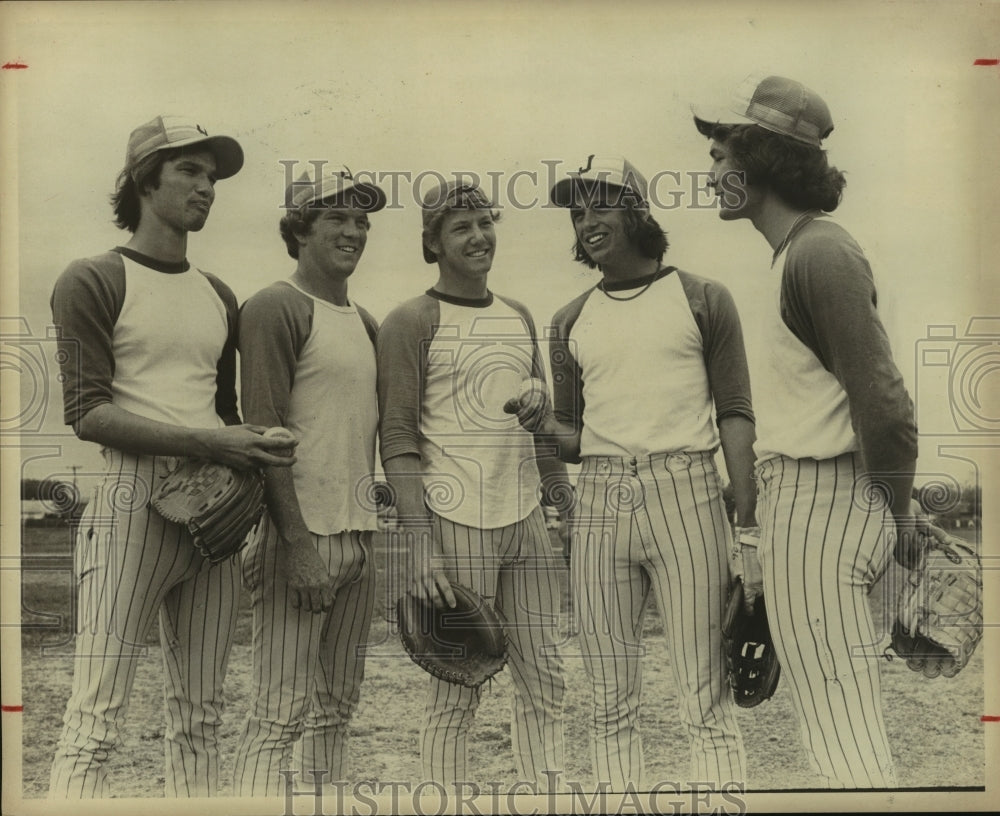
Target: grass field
(935,745)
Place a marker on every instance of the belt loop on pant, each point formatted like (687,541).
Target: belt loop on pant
(671,462)
(606,466)
(674,462)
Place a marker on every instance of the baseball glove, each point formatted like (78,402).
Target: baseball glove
(939,615)
(753,665)
(218,505)
(463,645)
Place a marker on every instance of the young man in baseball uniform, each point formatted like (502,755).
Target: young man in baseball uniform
(307,355)
(835,429)
(649,377)
(149,364)
(467,481)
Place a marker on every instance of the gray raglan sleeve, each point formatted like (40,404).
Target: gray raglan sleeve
(225,369)
(86,301)
(829,302)
(567,376)
(715,313)
(273,327)
(401,352)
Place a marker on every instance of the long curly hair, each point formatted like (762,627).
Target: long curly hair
(799,173)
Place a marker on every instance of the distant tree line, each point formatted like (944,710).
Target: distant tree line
(61,499)
(949,502)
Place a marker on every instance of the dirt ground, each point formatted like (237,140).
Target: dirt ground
(934,725)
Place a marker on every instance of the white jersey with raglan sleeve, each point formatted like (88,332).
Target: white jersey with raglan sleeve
(446,367)
(833,414)
(156,339)
(311,369)
(645,370)
(309,365)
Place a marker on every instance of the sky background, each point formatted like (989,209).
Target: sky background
(498,88)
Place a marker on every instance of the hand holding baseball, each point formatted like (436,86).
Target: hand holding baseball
(279,432)
(532,405)
(246,446)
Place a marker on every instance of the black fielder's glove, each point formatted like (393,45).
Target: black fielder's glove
(750,657)
(218,505)
(464,645)
(939,615)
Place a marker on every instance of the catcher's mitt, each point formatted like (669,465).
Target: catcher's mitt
(939,619)
(463,645)
(219,505)
(753,666)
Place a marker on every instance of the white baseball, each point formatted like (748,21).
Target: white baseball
(279,433)
(282,433)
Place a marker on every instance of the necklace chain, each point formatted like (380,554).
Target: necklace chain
(655,278)
(630,297)
(810,214)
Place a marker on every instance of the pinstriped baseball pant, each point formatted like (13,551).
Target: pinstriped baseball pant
(822,547)
(307,667)
(131,565)
(513,568)
(658,521)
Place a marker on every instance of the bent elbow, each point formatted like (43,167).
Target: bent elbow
(88,427)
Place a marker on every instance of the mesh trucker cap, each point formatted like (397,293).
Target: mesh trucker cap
(332,187)
(165,132)
(775,103)
(452,195)
(609,171)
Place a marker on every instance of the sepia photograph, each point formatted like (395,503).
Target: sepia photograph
(499,407)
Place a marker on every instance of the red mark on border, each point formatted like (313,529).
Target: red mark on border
(989,718)
(977,62)
(15,66)
(14,709)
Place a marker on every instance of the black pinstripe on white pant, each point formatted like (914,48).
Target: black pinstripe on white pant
(513,568)
(307,667)
(822,547)
(131,565)
(640,522)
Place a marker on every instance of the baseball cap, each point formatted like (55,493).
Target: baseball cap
(451,195)
(775,103)
(613,171)
(165,132)
(334,184)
